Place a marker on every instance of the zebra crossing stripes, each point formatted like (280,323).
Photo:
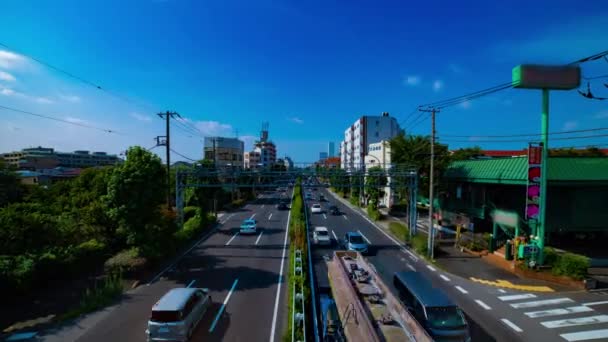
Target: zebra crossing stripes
(558,312)
(570,322)
(537,303)
(517,297)
(585,335)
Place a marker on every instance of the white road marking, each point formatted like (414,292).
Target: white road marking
(517,297)
(269,216)
(586,335)
(232,238)
(444,277)
(511,325)
(252,216)
(280,280)
(365,237)
(595,303)
(557,312)
(502,291)
(346,218)
(334,234)
(221,310)
(324,216)
(411,267)
(263,205)
(571,322)
(533,304)
(258,239)
(412,255)
(431,268)
(461,289)
(482,304)
(191,283)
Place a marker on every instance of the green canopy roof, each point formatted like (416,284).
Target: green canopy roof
(514,170)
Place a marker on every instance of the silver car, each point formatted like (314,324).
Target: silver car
(175,316)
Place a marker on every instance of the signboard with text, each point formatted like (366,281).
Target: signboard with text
(533,189)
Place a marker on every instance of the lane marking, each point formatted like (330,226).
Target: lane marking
(411,267)
(252,216)
(586,335)
(431,268)
(557,312)
(334,234)
(517,297)
(346,218)
(595,303)
(511,325)
(324,216)
(502,291)
(269,216)
(541,303)
(259,236)
(263,206)
(232,238)
(412,255)
(482,304)
(191,283)
(221,310)
(365,237)
(461,289)
(571,322)
(280,280)
(444,277)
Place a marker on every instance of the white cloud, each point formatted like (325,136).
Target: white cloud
(296,120)
(70,98)
(569,125)
(10,60)
(601,115)
(8,92)
(75,120)
(465,104)
(5,76)
(140,117)
(44,100)
(437,85)
(213,128)
(412,80)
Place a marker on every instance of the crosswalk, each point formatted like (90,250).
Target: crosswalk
(572,321)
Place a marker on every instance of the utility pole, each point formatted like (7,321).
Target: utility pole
(167,116)
(431,236)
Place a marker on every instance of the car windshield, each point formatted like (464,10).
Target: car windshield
(445,317)
(322,232)
(356,239)
(165,316)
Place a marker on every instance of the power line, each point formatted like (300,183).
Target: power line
(525,135)
(183,156)
(59,120)
(524,140)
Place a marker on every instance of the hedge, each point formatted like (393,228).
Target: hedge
(569,264)
(400,230)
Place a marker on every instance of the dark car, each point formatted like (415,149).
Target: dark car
(282,206)
(333,210)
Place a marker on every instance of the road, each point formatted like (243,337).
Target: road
(494,313)
(225,260)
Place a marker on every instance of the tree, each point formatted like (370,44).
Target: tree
(205,196)
(375,181)
(11,189)
(135,192)
(572,152)
(467,153)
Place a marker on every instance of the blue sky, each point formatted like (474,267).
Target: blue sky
(310,68)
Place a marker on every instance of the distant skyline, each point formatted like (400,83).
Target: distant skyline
(308,68)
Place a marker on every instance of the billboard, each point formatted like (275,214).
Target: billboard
(533,193)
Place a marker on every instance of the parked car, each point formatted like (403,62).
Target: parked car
(249,226)
(320,236)
(175,316)
(316,209)
(353,241)
(333,210)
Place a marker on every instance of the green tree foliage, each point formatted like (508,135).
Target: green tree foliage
(574,152)
(375,181)
(467,153)
(11,189)
(339,180)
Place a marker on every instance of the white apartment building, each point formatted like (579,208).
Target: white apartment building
(379,154)
(363,132)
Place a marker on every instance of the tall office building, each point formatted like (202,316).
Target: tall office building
(264,153)
(225,152)
(331,149)
(366,130)
(322,156)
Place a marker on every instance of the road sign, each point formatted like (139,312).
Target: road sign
(546,77)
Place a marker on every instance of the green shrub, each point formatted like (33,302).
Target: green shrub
(190,212)
(126,261)
(572,265)
(551,256)
(354,200)
(17,272)
(400,230)
(477,244)
(373,213)
(98,297)
(419,242)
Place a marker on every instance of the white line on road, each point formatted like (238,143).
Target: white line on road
(444,277)
(595,303)
(533,304)
(412,255)
(511,325)
(334,234)
(557,312)
(191,283)
(227,219)
(365,237)
(586,335)
(431,268)
(263,206)
(258,239)
(482,304)
(221,310)
(280,280)
(461,289)
(411,267)
(252,216)
(517,297)
(502,291)
(269,216)
(346,218)
(324,216)
(232,238)
(571,322)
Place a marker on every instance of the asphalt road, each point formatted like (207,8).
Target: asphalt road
(224,260)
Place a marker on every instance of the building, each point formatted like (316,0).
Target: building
(363,132)
(331,149)
(225,152)
(379,154)
(36,158)
(331,163)
(322,156)
(264,153)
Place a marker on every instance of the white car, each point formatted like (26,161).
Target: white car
(320,236)
(316,209)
